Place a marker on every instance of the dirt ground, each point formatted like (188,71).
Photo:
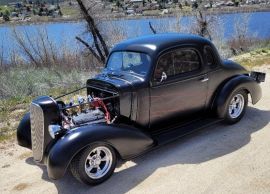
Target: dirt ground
(218,159)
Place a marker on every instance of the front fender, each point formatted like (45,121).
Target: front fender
(24,132)
(241,82)
(126,140)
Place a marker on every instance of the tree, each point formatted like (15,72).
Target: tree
(211,4)
(99,49)
(195,5)
(6,16)
(6,12)
(118,4)
(236,3)
(161,4)
(60,12)
(241,40)
(202,25)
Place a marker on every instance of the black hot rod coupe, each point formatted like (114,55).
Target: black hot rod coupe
(152,90)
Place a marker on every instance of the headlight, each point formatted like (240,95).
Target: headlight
(54,130)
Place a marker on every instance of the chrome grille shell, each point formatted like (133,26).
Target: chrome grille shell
(37,131)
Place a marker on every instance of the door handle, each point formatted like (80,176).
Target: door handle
(205,79)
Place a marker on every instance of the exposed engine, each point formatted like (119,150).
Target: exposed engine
(95,108)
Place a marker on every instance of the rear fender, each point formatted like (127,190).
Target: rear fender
(126,140)
(241,82)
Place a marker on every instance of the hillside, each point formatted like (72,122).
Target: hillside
(5,2)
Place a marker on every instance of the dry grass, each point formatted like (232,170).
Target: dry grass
(22,82)
(19,86)
(254,58)
(72,12)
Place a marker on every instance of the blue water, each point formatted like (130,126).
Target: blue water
(259,24)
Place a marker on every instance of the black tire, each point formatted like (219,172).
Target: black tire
(229,119)
(78,163)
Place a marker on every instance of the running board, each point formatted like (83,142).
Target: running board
(177,132)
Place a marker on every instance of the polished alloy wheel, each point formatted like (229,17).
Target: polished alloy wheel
(98,162)
(236,106)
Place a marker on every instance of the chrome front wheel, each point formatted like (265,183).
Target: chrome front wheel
(94,164)
(98,162)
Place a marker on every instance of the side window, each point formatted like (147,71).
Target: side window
(165,64)
(210,60)
(177,62)
(185,60)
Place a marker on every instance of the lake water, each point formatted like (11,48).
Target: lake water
(259,24)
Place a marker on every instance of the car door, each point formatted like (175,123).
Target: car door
(178,88)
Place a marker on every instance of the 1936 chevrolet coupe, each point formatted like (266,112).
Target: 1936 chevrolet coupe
(152,90)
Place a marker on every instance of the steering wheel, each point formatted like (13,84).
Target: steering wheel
(130,66)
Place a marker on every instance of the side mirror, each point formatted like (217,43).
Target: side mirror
(163,77)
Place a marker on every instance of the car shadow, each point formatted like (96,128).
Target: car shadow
(201,146)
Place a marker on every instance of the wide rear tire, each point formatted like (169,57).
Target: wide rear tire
(236,107)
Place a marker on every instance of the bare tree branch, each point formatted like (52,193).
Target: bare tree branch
(44,47)
(23,46)
(203,25)
(32,46)
(89,48)
(152,28)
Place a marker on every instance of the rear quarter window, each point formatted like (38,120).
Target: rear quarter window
(209,57)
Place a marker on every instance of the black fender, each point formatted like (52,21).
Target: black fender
(126,140)
(240,82)
(24,132)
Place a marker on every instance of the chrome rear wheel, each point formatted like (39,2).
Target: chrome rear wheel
(236,106)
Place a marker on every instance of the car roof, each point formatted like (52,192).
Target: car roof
(155,43)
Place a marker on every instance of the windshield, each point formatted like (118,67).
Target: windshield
(132,62)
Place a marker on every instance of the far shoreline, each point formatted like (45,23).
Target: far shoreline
(136,17)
